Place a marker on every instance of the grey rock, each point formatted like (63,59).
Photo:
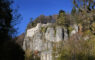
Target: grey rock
(65,34)
(75,30)
(43,41)
(26,43)
(59,34)
(49,35)
(37,41)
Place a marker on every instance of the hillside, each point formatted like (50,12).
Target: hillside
(19,39)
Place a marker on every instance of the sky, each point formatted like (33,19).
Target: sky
(34,8)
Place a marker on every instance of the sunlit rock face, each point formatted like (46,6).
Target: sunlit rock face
(75,30)
(65,34)
(59,34)
(50,35)
(36,40)
(32,31)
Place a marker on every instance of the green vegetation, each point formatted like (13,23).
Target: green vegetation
(78,50)
(43,29)
(70,29)
(30,55)
(9,17)
(76,47)
(61,18)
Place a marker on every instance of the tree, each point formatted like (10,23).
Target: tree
(31,24)
(73,11)
(61,18)
(9,50)
(85,13)
(41,19)
(78,49)
(86,5)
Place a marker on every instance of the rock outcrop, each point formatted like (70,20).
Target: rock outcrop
(41,38)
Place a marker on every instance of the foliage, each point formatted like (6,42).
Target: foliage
(73,11)
(84,12)
(78,50)
(42,19)
(93,27)
(43,29)
(70,29)
(86,5)
(57,47)
(31,24)
(27,54)
(61,18)
(9,50)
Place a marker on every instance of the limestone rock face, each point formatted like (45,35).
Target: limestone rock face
(49,35)
(26,43)
(59,34)
(37,40)
(75,30)
(65,34)
(32,31)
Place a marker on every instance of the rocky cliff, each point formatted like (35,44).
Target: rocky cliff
(42,37)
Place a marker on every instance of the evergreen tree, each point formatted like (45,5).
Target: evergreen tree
(61,18)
